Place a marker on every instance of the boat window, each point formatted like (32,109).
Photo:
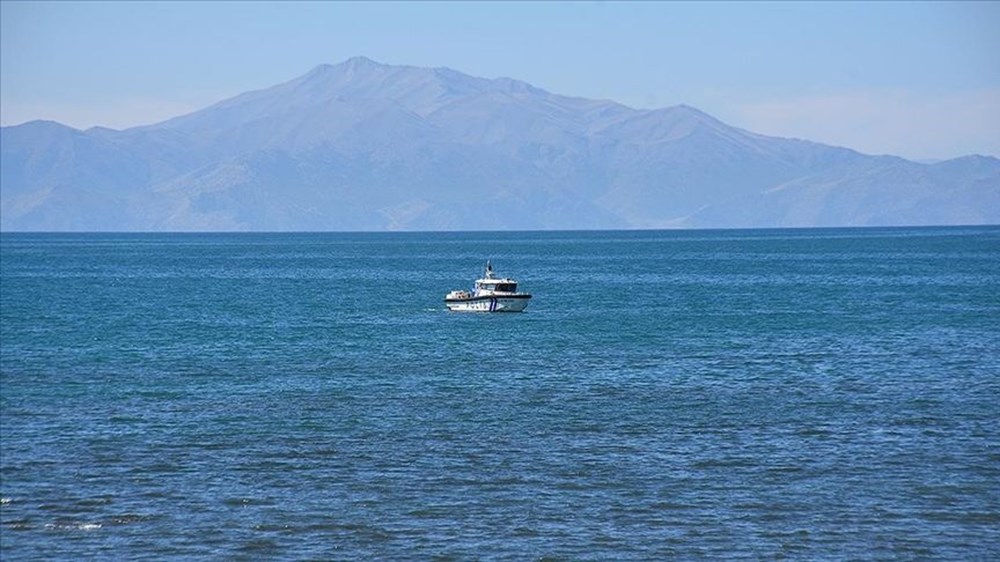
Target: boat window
(507,287)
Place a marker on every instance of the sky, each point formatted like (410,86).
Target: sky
(920,80)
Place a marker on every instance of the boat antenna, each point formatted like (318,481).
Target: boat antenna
(489,270)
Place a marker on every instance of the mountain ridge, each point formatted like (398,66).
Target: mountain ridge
(362,145)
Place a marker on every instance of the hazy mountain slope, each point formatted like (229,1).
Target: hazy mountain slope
(885,191)
(53,177)
(366,146)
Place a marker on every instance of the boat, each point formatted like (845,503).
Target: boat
(490,294)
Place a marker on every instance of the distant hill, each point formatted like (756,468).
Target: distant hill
(366,146)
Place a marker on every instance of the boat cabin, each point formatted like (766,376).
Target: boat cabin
(496,285)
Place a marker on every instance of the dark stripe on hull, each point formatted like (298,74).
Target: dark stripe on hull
(485,303)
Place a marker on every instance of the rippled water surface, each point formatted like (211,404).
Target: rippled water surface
(808,394)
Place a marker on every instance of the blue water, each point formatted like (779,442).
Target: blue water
(805,394)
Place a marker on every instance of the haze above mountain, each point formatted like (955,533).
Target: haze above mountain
(366,146)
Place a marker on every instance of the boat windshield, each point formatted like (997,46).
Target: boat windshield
(507,287)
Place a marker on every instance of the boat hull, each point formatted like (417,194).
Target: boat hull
(511,303)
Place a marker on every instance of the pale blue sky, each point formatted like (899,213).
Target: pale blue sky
(921,80)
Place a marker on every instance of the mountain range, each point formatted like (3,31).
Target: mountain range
(368,146)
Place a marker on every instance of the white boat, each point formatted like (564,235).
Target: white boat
(490,294)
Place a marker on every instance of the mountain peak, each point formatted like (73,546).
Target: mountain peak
(353,64)
(47,125)
(361,63)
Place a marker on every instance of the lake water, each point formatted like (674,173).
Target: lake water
(805,394)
